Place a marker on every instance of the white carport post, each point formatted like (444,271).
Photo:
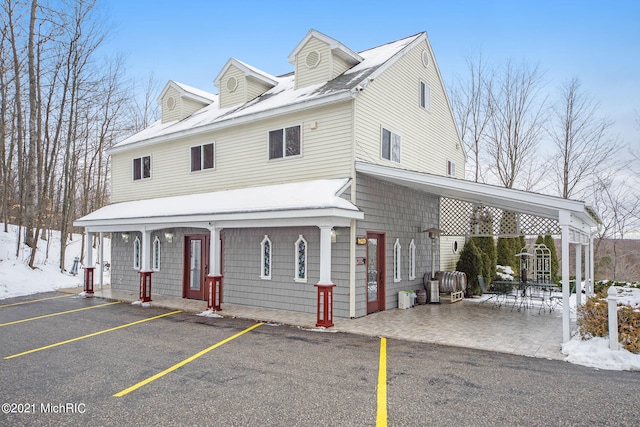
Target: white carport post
(590,268)
(564,219)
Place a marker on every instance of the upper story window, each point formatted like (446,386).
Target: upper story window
(284,142)
(141,168)
(451,168)
(391,144)
(202,157)
(425,96)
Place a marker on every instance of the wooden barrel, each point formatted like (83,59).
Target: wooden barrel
(462,280)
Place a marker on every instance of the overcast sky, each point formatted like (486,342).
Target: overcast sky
(189,41)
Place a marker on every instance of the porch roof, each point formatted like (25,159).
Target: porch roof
(303,203)
(575,214)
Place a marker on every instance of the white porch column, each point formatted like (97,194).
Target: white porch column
(101,259)
(325,255)
(592,275)
(578,275)
(352,269)
(89,250)
(145,251)
(214,251)
(566,313)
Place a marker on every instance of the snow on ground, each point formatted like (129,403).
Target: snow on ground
(17,279)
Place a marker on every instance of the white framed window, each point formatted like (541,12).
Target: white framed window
(425,96)
(203,157)
(265,258)
(141,168)
(391,145)
(285,142)
(397,260)
(137,249)
(300,248)
(412,260)
(451,168)
(156,254)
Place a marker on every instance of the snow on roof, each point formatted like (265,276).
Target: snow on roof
(319,194)
(198,92)
(283,94)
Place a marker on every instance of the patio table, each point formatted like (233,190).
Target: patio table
(524,292)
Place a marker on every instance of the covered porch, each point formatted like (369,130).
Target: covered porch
(461,202)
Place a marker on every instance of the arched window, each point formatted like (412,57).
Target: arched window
(412,260)
(265,258)
(397,259)
(156,254)
(300,249)
(136,253)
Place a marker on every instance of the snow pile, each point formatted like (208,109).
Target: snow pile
(595,353)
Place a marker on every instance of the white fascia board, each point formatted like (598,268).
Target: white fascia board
(288,218)
(237,121)
(533,203)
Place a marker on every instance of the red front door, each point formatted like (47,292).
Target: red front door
(375,272)
(196,265)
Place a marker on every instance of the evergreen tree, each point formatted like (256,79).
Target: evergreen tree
(487,247)
(471,264)
(555,266)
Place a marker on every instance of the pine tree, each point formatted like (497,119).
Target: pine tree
(470,262)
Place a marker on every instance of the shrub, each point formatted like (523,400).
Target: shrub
(593,320)
(472,265)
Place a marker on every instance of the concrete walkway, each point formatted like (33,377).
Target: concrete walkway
(468,323)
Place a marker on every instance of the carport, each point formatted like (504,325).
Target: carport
(465,204)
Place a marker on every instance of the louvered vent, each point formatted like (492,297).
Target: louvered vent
(232,84)
(313,59)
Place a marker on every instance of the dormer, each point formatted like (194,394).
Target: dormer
(239,83)
(319,58)
(179,101)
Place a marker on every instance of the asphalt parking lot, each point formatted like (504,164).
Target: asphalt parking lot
(75,361)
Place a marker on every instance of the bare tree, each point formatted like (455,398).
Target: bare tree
(517,122)
(473,109)
(581,140)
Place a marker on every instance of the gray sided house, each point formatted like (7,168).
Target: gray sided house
(278,188)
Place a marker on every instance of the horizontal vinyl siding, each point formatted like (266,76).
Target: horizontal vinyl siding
(255,89)
(306,76)
(242,157)
(227,98)
(339,66)
(189,107)
(171,115)
(429,138)
(449,258)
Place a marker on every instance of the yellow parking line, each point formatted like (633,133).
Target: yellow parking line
(381,418)
(184,362)
(92,335)
(58,313)
(35,300)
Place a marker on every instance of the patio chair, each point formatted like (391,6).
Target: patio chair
(493,294)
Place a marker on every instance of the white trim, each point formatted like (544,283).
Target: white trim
(335,46)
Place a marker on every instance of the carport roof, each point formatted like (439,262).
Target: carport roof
(568,212)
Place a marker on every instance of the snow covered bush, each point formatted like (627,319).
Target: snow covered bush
(593,318)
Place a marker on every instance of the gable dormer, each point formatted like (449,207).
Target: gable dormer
(239,83)
(319,58)
(179,101)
